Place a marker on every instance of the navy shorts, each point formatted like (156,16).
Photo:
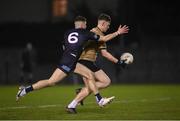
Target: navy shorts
(68,63)
(90,65)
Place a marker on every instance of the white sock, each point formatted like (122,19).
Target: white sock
(97,100)
(101,101)
(23,92)
(73,104)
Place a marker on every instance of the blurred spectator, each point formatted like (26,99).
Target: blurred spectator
(27,64)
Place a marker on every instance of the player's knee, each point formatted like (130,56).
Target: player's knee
(107,82)
(51,83)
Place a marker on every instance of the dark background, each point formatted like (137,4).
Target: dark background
(154,37)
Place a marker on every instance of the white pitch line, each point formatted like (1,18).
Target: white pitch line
(60,105)
(143,100)
(20,107)
(47,106)
(25,107)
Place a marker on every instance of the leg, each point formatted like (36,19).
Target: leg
(102,81)
(57,76)
(86,73)
(86,91)
(89,75)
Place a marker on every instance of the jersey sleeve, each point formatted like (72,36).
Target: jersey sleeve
(93,36)
(102,46)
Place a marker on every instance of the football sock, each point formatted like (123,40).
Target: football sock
(29,89)
(73,104)
(98,97)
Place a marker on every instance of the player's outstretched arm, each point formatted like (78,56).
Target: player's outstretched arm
(108,56)
(121,30)
(111,58)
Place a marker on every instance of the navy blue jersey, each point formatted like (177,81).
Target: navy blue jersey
(75,39)
(74,42)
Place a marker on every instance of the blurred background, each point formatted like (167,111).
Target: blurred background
(31,34)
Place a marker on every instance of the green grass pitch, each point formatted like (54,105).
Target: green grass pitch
(131,102)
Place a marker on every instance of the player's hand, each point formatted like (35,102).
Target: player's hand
(123,29)
(122,63)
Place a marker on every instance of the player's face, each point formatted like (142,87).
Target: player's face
(106,26)
(80,24)
(84,24)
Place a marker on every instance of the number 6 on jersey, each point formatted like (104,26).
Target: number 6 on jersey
(73,38)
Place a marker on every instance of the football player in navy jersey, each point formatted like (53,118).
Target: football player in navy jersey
(75,39)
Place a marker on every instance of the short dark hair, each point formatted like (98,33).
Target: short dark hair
(105,17)
(80,18)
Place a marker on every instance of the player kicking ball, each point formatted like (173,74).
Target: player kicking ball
(75,39)
(88,59)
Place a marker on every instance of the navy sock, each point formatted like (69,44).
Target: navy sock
(29,89)
(98,97)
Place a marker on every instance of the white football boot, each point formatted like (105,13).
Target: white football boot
(21,92)
(104,101)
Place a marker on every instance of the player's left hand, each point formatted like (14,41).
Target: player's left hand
(123,29)
(122,63)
